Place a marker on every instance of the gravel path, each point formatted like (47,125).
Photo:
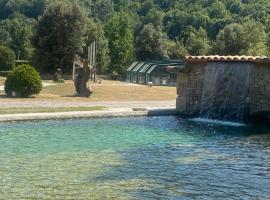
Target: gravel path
(111,104)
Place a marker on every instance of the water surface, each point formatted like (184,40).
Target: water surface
(133,158)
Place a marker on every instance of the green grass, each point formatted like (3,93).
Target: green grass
(48,110)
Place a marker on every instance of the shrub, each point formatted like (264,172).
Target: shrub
(7,58)
(24,80)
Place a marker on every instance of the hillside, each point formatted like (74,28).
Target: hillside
(160,28)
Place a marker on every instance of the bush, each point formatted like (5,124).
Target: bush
(24,80)
(7,58)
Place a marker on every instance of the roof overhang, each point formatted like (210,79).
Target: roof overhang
(217,58)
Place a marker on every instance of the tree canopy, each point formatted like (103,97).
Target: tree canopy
(123,32)
(59,36)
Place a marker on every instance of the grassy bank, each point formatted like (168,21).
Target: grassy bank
(107,91)
(47,110)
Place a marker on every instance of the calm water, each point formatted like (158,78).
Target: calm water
(133,158)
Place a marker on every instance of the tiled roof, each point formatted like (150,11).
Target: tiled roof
(258,59)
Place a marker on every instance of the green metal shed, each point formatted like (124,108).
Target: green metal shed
(153,71)
(134,72)
(128,77)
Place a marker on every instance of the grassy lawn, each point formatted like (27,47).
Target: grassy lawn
(107,91)
(47,110)
(111,91)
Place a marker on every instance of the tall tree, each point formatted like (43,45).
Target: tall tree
(16,33)
(176,50)
(151,43)
(197,42)
(120,35)
(236,39)
(59,36)
(255,38)
(154,17)
(95,32)
(103,9)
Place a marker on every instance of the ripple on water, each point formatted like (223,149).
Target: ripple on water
(133,158)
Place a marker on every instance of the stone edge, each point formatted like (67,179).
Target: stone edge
(86,114)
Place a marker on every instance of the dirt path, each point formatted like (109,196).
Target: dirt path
(110,104)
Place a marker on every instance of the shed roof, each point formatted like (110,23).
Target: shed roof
(256,59)
(138,67)
(151,69)
(145,67)
(132,66)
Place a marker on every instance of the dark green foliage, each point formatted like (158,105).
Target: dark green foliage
(197,42)
(7,58)
(16,33)
(95,32)
(230,40)
(24,80)
(120,36)
(31,9)
(154,17)
(151,43)
(176,50)
(102,9)
(199,26)
(235,39)
(59,36)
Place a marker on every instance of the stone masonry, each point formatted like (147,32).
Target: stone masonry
(190,83)
(259,92)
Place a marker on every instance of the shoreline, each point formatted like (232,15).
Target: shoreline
(115,112)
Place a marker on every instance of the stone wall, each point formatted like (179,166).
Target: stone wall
(259,92)
(189,89)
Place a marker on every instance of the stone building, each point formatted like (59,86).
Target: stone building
(235,88)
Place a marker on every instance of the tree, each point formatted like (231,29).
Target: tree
(120,35)
(59,36)
(217,10)
(255,38)
(147,5)
(236,39)
(31,9)
(95,32)
(151,43)
(175,23)
(16,33)
(7,58)
(176,50)
(197,42)
(154,17)
(103,9)
(230,40)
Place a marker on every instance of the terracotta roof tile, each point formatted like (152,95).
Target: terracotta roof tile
(227,58)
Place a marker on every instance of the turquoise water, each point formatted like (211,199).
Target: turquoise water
(133,158)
